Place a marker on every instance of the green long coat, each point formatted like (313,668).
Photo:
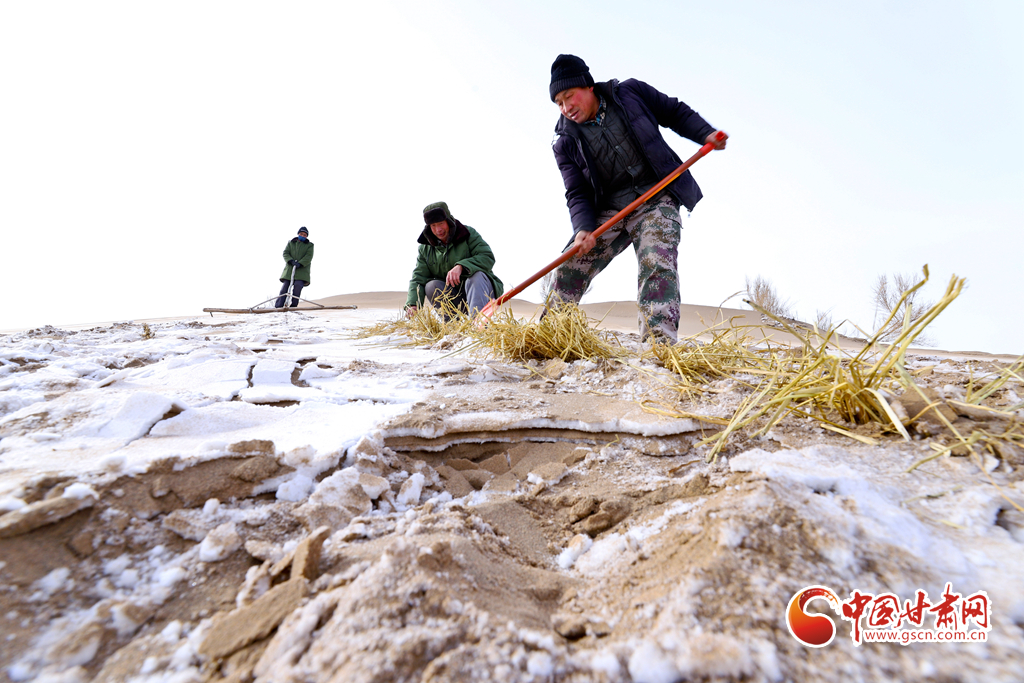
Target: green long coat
(301,251)
(466,248)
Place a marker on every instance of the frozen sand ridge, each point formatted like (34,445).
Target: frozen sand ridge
(522,407)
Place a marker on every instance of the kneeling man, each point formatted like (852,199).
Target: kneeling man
(454,261)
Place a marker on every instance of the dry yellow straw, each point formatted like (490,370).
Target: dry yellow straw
(813,380)
(564,332)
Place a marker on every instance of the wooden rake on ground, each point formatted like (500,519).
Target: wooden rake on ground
(285,309)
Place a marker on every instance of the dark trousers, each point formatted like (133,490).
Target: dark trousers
(296,291)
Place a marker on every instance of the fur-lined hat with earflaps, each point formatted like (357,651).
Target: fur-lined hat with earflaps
(437,212)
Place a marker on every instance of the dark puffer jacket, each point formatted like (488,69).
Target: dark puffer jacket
(646,110)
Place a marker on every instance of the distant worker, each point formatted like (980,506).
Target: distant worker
(298,257)
(453,261)
(610,151)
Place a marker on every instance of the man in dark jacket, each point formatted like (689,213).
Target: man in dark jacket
(298,257)
(610,151)
(453,261)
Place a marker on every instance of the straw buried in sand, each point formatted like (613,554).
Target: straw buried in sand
(864,396)
(843,393)
(565,332)
(813,381)
(427,326)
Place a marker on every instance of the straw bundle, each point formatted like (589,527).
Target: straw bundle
(812,381)
(564,332)
(727,354)
(427,326)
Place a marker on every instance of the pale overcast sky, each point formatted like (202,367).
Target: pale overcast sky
(156,157)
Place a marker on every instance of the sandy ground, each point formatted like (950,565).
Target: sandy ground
(515,523)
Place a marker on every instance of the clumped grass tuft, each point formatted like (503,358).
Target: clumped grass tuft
(698,362)
(817,380)
(564,332)
(844,392)
(427,326)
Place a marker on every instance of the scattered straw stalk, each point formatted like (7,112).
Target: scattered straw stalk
(814,381)
(425,326)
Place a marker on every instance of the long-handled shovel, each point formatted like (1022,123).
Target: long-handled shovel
(493,305)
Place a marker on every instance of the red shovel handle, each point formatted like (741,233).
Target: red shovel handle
(491,307)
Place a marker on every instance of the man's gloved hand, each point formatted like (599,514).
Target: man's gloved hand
(295,262)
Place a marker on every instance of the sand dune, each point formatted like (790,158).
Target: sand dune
(272,499)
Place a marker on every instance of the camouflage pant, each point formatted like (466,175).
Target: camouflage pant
(653,229)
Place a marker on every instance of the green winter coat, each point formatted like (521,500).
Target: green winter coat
(302,252)
(465,247)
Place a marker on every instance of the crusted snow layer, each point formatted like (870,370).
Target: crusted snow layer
(499,421)
(857,502)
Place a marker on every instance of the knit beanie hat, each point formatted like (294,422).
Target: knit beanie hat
(303,230)
(569,71)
